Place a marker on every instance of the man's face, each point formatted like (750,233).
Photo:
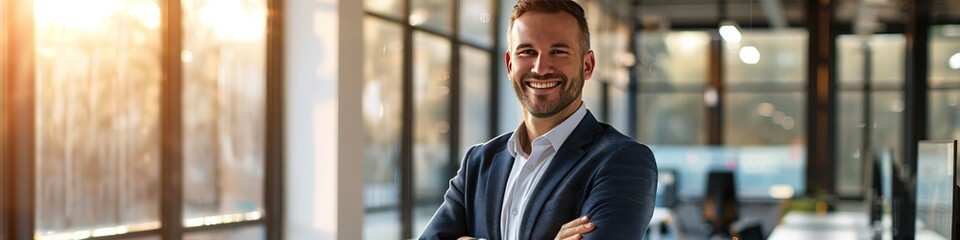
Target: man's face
(546,63)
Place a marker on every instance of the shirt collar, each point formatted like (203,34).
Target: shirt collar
(555,136)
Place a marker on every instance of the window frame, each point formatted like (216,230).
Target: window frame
(17,165)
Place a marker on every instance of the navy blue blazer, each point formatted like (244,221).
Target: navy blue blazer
(597,172)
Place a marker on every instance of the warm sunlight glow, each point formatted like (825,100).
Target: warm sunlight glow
(88,15)
(233,21)
(93,15)
(148,13)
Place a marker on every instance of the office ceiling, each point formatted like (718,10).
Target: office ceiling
(773,13)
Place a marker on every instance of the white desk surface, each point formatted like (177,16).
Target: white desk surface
(833,225)
(836,225)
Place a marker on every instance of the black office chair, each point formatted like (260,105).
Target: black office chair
(720,208)
(753,231)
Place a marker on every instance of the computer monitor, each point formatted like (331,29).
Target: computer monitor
(881,185)
(935,188)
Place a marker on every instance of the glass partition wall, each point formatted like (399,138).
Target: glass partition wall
(131,95)
(760,104)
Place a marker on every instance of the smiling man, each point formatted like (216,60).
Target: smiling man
(561,174)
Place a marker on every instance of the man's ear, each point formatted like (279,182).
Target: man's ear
(589,62)
(506,61)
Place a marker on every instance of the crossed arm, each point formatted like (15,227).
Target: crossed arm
(573,230)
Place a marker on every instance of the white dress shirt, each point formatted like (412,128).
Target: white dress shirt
(528,169)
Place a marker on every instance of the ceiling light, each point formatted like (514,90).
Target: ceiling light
(954,61)
(730,32)
(750,55)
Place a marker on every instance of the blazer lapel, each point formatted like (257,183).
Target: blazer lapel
(499,172)
(566,158)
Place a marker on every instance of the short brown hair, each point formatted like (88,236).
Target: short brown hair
(553,6)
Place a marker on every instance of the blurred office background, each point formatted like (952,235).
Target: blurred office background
(344,119)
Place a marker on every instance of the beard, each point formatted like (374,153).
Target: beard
(540,105)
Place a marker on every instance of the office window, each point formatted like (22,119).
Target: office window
(756,118)
(224,100)
(97,115)
(238,233)
(476,21)
(431,14)
(944,95)
(390,8)
(382,116)
(673,76)
(764,102)
(671,118)
(886,108)
(430,94)
(431,128)
(475,81)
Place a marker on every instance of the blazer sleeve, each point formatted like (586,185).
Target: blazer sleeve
(449,222)
(623,196)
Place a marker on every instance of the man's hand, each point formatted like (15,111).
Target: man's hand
(575,229)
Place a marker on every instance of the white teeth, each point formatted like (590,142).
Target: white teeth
(543,85)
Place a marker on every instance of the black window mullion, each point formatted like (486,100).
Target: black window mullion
(455,91)
(273,186)
(274,191)
(715,83)
(916,77)
(495,61)
(19,156)
(171,185)
(406,136)
(5,173)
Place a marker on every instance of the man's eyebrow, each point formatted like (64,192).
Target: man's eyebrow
(524,45)
(555,45)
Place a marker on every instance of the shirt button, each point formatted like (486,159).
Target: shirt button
(515,211)
(529,168)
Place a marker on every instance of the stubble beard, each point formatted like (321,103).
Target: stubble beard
(548,109)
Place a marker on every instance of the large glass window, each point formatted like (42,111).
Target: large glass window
(255,232)
(391,8)
(944,115)
(764,102)
(224,98)
(104,108)
(382,116)
(673,75)
(97,115)
(474,98)
(431,14)
(430,94)
(886,107)
(431,125)
(475,22)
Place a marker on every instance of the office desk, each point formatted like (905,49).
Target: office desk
(838,225)
(833,225)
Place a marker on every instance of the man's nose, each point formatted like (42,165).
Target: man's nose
(543,65)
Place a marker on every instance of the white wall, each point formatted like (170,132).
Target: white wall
(323,132)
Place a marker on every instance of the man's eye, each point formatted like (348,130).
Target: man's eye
(558,52)
(527,52)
